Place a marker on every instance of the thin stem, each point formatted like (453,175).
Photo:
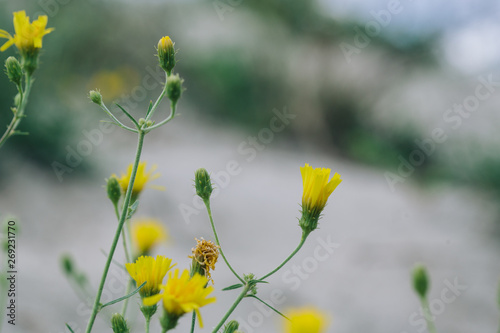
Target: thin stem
(119,123)
(23,101)
(148,320)
(427,314)
(193,322)
(302,241)
(124,238)
(163,122)
(158,101)
(123,217)
(209,210)
(231,309)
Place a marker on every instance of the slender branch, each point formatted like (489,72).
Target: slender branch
(209,211)
(302,241)
(231,309)
(119,123)
(158,101)
(163,122)
(19,114)
(123,216)
(193,322)
(427,314)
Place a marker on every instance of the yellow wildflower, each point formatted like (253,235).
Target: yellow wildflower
(146,233)
(150,270)
(28,36)
(141,179)
(181,295)
(205,255)
(317,189)
(166,54)
(306,320)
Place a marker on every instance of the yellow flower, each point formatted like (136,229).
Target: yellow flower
(205,255)
(181,295)
(150,270)
(166,54)
(141,179)
(28,36)
(306,320)
(317,189)
(146,233)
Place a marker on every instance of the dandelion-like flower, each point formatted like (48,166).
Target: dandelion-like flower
(149,270)
(204,256)
(28,36)
(317,189)
(141,179)
(146,233)
(306,320)
(182,294)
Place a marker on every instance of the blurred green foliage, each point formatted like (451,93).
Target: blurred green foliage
(237,82)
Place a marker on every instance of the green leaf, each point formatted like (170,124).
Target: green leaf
(234,286)
(269,306)
(132,209)
(128,115)
(124,297)
(149,108)
(69,328)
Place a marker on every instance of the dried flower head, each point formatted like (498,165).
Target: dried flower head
(205,254)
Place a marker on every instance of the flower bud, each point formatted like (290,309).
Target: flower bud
(166,54)
(17,99)
(174,87)
(118,324)
(95,96)
(114,190)
(204,256)
(14,70)
(203,184)
(420,280)
(231,327)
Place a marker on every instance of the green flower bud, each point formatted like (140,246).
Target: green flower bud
(118,324)
(174,87)
(203,184)
(114,190)
(420,280)
(231,327)
(14,70)
(67,264)
(96,97)
(166,54)
(149,311)
(17,99)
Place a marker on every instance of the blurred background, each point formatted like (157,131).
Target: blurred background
(399,97)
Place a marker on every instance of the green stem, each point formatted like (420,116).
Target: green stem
(231,309)
(427,314)
(302,241)
(119,123)
(148,320)
(158,100)
(209,210)
(193,322)
(123,217)
(172,115)
(20,109)
(124,238)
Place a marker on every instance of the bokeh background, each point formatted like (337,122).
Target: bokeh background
(399,97)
